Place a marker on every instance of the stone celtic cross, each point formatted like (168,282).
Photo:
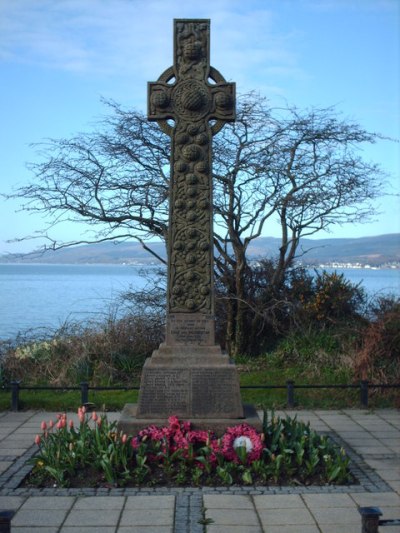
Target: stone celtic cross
(189,375)
(184,94)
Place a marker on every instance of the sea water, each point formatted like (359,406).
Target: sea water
(46,296)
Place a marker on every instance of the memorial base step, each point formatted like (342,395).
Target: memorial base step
(131,425)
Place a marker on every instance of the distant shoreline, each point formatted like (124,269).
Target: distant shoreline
(340,266)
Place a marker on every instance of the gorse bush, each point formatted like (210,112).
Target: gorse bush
(95,453)
(331,300)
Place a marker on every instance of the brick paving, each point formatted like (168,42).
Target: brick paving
(372,439)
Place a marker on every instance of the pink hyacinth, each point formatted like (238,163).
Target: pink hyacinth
(37,440)
(43,426)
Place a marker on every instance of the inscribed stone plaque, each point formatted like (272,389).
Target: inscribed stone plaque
(190,329)
(165,392)
(216,392)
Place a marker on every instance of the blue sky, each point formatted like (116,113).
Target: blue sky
(58,58)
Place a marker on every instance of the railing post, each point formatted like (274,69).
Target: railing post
(369,519)
(364,392)
(84,392)
(5,521)
(14,395)
(290,393)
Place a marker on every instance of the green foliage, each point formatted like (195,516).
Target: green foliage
(291,453)
(309,346)
(64,450)
(296,452)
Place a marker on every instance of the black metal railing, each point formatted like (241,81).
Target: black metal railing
(363,386)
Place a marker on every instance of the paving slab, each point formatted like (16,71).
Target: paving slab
(147,517)
(285,517)
(380,499)
(149,502)
(318,501)
(350,528)
(38,518)
(212,528)
(293,529)
(145,529)
(99,502)
(278,501)
(33,529)
(233,517)
(11,503)
(221,501)
(49,503)
(88,529)
(93,517)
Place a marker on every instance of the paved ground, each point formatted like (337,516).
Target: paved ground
(371,438)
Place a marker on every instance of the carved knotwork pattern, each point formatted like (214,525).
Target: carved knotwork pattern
(191,101)
(190,273)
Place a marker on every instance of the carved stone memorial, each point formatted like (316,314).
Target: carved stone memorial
(188,375)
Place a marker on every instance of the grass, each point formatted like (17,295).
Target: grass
(259,371)
(68,400)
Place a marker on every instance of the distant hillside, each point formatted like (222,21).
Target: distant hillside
(375,251)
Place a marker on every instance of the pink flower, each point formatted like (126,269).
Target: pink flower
(94,416)
(61,423)
(43,426)
(71,424)
(37,440)
(51,424)
(174,423)
(124,438)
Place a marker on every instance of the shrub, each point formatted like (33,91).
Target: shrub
(379,355)
(112,352)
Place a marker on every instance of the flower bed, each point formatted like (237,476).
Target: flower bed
(95,454)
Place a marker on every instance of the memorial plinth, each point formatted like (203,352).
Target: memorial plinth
(189,376)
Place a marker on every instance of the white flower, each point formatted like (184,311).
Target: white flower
(243,442)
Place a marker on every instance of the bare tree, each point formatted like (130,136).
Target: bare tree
(304,169)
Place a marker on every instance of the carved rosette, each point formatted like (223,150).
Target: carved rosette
(191,101)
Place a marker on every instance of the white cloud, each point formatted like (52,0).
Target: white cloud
(134,37)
